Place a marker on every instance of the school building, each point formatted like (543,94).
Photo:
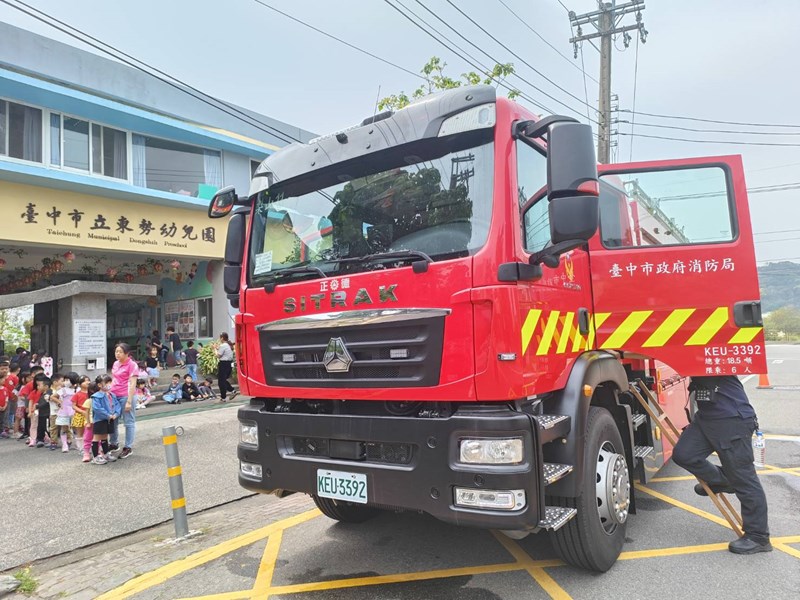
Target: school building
(105,177)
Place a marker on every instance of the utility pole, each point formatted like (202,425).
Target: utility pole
(606,20)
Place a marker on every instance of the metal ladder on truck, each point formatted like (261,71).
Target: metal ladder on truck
(640,391)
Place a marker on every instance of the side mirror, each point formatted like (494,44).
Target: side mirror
(222,203)
(572,185)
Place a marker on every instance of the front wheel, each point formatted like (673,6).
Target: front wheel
(346,512)
(593,538)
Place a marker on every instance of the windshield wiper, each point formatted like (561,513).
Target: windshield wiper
(419,266)
(269,287)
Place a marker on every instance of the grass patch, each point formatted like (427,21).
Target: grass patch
(27,582)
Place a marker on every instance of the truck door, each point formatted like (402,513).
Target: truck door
(673,266)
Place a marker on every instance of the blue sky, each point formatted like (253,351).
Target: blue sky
(730,61)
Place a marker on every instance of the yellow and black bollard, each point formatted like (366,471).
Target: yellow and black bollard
(170,439)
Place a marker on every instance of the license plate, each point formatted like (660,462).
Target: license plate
(342,486)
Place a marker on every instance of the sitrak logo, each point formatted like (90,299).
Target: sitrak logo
(337,359)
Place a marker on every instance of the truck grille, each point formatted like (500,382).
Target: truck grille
(376,452)
(293,350)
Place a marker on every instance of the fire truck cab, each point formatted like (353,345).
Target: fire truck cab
(442,308)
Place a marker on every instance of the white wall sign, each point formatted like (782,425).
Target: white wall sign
(89,337)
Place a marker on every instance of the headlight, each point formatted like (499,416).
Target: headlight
(250,470)
(248,433)
(490,499)
(492,451)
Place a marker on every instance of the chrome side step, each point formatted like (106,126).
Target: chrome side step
(641,451)
(552,427)
(552,472)
(638,420)
(555,517)
(549,421)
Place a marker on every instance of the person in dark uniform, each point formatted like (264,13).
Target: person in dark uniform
(724,423)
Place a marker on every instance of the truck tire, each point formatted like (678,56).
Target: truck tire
(346,512)
(593,538)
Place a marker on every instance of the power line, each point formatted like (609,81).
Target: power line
(537,34)
(773,232)
(478,48)
(700,130)
(341,41)
(635,81)
(731,142)
(500,83)
(525,62)
(791,239)
(684,118)
(69,30)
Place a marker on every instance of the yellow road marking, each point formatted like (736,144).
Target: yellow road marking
(745,335)
(179,503)
(565,333)
(709,328)
(535,568)
(768,471)
(626,329)
(337,584)
(787,549)
(683,505)
(170,439)
(674,551)
(162,574)
(529,327)
(267,567)
(242,595)
(173,471)
(549,330)
(668,328)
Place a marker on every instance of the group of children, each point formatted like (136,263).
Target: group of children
(74,411)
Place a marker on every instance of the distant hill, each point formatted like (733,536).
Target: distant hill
(780,285)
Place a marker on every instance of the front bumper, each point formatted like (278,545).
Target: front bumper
(423,481)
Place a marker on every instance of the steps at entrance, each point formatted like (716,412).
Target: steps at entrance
(552,472)
(552,427)
(641,451)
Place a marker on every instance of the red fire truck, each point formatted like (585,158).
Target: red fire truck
(442,308)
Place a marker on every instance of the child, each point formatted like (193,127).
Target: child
(40,399)
(81,421)
(66,393)
(104,419)
(206,391)
(21,415)
(191,359)
(31,396)
(189,390)
(142,396)
(64,418)
(151,364)
(5,405)
(173,393)
(57,387)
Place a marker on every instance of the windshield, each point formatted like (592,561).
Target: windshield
(431,199)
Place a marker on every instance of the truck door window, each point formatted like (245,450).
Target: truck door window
(666,208)
(531,188)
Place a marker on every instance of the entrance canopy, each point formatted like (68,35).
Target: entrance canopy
(73,288)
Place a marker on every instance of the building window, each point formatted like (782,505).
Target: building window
(20,131)
(105,148)
(178,168)
(205,324)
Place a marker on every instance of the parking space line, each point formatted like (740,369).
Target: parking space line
(242,595)
(336,584)
(672,551)
(770,470)
(787,549)
(684,506)
(534,568)
(162,574)
(267,567)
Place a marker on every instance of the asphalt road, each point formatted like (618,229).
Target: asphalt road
(320,558)
(55,503)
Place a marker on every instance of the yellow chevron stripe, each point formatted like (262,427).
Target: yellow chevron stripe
(595,322)
(565,333)
(745,335)
(625,330)
(529,327)
(549,330)
(710,328)
(668,328)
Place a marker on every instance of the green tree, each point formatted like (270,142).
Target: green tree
(436,80)
(783,323)
(15,327)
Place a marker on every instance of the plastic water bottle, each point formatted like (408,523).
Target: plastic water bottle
(759,449)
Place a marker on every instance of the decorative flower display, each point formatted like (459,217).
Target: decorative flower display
(69,256)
